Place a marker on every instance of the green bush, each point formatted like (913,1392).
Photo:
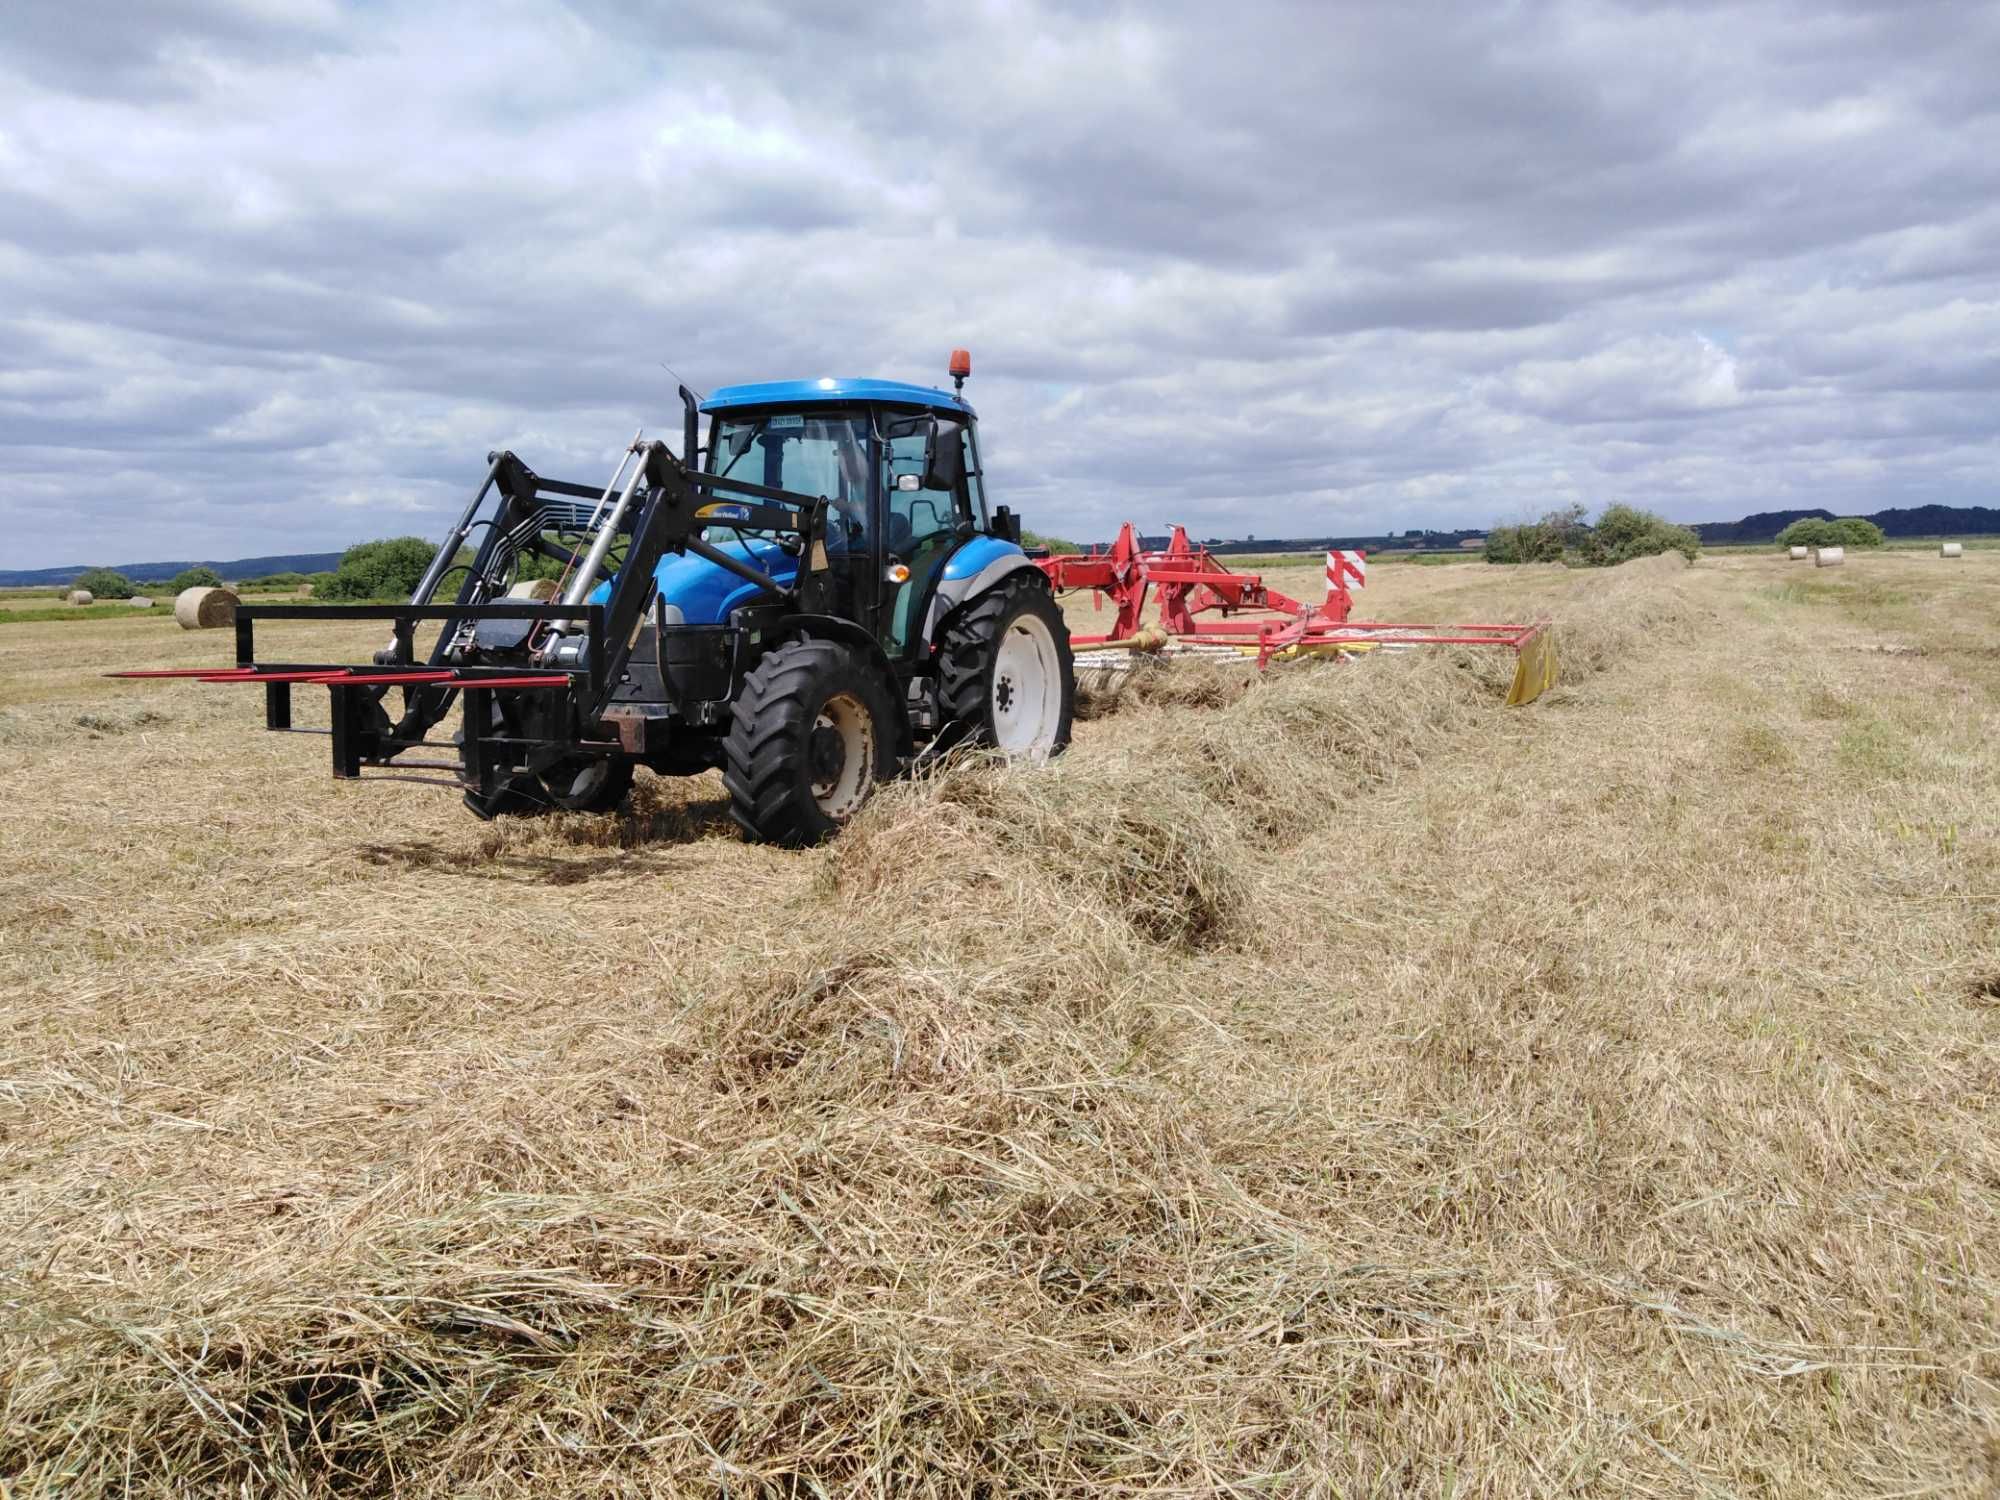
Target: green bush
(1054,543)
(104,583)
(1848,531)
(1545,540)
(196,577)
(530,565)
(272,582)
(1622,533)
(377,570)
(1810,531)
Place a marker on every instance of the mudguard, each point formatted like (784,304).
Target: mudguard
(972,570)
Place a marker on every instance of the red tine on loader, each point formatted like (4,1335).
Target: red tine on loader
(355,677)
(1257,618)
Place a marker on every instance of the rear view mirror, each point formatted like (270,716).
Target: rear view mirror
(944,456)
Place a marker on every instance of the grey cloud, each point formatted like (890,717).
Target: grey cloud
(279,277)
(115,49)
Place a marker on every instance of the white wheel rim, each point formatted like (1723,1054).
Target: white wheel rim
(839,794)
(1027,689)
(586,782)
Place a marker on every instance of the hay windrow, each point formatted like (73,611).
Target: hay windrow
(1162,682)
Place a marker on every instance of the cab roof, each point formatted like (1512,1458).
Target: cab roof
(830,391)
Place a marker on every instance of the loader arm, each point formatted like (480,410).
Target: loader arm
(574,653)
(679,505)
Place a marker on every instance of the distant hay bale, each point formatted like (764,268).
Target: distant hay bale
(140,601)
(82,596)
(305,591)
(1829,557)
(1799,554)
(534,590)
(1952,549)
(205,609)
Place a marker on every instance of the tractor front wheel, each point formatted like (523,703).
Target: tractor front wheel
(585,785)
(809,737)
(589,786)
(1006,678)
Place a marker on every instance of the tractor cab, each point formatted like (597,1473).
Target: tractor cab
(899,468)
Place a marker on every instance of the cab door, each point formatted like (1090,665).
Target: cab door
(921,526)
(825,452)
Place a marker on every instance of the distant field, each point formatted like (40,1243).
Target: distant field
(1893,544)
(22,609)
(1328,1084)
(36,606)
(1256,561)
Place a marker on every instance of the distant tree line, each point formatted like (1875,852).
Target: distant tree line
(108,583)
(1622,533)
(392,568)
(1897,521)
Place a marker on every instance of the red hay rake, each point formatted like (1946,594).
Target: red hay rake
(1257,619)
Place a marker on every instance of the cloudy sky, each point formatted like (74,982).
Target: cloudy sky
(276,274)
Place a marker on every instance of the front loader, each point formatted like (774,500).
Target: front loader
(809,631)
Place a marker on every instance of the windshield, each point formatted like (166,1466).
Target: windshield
(808,453)
(812,455)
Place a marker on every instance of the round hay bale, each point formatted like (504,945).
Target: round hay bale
(205,609)
(82,596)
(1829,557)
(1952,549)
(1799,554)
(140,601)
(533,590)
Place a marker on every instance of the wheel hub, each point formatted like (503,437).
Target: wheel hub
(1003,694)
(826,756)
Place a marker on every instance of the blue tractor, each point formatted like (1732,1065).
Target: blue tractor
(813,595)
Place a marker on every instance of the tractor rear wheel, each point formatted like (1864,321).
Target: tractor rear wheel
(1006,678)
(810,736)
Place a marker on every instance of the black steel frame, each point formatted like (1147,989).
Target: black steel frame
(571,702)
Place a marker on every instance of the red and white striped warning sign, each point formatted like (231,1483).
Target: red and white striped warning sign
(1341,564)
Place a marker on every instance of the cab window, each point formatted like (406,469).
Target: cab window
(809,454)
(914,515)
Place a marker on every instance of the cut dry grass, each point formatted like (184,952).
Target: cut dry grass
(1340,1086)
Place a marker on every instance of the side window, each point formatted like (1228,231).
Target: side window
(916,517)
(975,483)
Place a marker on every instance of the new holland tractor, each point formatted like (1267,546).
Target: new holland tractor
(812,596)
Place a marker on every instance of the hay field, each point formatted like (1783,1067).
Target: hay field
(1339,1086)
